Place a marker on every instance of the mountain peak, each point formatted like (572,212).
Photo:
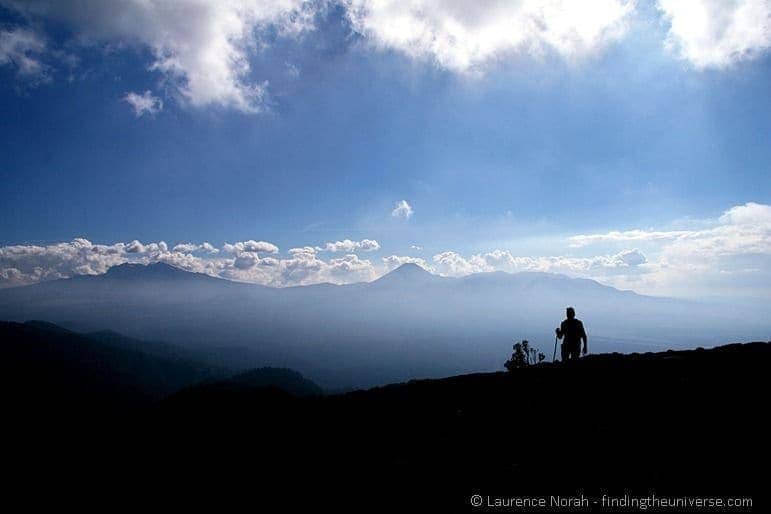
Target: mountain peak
(407,273)
(154,270)
(410,267)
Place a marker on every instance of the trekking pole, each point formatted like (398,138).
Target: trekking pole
(554,356)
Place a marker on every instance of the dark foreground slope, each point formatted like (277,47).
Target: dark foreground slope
(674,423)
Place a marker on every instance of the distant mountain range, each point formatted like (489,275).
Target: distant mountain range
(409,323)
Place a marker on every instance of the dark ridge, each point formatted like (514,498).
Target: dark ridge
(286,379)
(283,380)
(51,370)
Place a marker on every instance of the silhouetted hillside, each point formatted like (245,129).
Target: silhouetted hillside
(45,367)
(263,382)
(672,423)
(685,422)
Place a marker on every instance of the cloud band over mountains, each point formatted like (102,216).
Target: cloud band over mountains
(734,251)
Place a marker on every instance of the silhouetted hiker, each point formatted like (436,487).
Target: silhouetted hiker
(571,332)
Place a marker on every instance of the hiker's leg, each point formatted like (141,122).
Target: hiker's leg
(565,354)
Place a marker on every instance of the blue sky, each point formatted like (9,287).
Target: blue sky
(499,136)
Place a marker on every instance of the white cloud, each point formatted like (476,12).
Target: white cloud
(742,230)
(453,264)
(247,253)
(346,245)
(625,236)
(250,246)
(350,268)
(208,247)
(464,35)
(402,210)
(718,33)
(21,49)
(192,247)
(704,261)
(135,247)
(143,104)
(304,267)
(748,214)
(246,260)
(22,264)
(200,47)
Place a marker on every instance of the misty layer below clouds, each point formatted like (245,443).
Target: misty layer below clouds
(408,324)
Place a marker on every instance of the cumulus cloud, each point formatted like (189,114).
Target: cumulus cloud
(748,214)
(250,246)
(402,210)
(718,33)
(143,104)
(346,245)
(22,264)
(201,48)
(246,260)
(304,267)
(21,49)
(464,35)
(351,266)
(193,247)
(453,264)
(247,253)
(137,247)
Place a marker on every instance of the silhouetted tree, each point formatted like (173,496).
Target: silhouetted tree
(523,356)
(518,358)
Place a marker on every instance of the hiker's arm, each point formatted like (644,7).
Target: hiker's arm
(586,339)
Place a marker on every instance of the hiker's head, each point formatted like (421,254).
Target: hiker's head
(570,312)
